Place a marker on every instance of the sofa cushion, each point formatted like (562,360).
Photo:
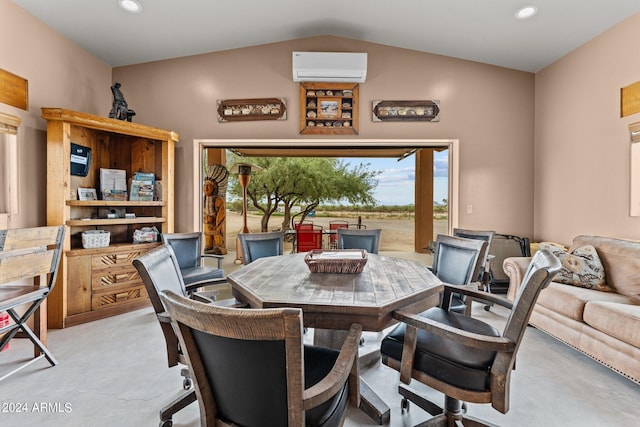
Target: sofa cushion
(621,261)
(581,267)
(621,321)
(570,300)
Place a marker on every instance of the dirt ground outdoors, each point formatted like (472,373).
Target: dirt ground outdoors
(397,234)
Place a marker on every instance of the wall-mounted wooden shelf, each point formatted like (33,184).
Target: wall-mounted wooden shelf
(329,108)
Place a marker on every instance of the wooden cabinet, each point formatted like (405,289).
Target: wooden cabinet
(100,282)
(329,108)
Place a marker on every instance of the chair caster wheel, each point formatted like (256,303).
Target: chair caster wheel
(464,407)
(404,405)
(166,423)
(487,308)
(361,342)
(186,384)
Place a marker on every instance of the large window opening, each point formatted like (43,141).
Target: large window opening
(421,173)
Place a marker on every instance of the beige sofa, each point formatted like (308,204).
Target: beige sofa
(603,325)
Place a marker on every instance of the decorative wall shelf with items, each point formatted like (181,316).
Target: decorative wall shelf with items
(96,278)
(329,108)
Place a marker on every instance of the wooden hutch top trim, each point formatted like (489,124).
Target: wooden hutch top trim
(107,124)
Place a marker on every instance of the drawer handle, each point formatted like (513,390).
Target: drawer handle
(122,296)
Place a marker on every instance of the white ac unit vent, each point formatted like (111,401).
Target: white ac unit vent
(347,67)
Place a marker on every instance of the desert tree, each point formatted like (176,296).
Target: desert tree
(306,182)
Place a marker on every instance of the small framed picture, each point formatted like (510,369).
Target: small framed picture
(329,107)
(87,194)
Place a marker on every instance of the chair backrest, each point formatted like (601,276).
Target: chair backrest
(260,245)
(308,225)
(31,252)
(505,246)
(368,240)
(456,260)
(487,236)
(308,238)
(187,247)
(228,350)
(334,225)
(543,267)
(159,271)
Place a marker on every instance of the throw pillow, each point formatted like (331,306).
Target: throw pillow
(582,267)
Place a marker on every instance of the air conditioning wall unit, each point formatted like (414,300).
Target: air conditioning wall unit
(347,67)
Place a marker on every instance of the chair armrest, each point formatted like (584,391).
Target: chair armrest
(346,367)
(206,297)
(515,268)
(218,258)
(163,317)
(190,288)
(471,339)
(477,294)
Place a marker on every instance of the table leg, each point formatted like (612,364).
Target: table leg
(370,402)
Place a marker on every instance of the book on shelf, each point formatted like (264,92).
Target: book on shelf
(142,186)
(113,184)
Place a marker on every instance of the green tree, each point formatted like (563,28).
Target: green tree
(305,182)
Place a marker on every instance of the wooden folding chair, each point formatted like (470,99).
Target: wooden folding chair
(31,254)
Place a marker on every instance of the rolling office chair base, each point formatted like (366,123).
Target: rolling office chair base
(453,414)
(184,399)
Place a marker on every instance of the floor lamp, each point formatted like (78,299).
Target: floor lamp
(243,170)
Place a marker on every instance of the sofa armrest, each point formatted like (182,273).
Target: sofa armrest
(515,268)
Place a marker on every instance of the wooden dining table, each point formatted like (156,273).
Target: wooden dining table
(332,302)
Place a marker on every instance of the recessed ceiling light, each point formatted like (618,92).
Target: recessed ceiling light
(526,12)
(132,6)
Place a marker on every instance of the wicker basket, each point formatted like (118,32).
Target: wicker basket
(95,239)
(342,261)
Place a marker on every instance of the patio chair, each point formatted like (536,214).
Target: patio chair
(260,245)
(368,240)
(188,250)
(333,236)
(28,254)
(464,358)
(250,367)
(308,238)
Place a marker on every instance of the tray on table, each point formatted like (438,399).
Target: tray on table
(340,261)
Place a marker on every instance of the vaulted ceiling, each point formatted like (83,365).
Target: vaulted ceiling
(478,30)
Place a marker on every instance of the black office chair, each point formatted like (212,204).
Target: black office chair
(503,247)
(29,261)
(260,245)
(464,358)
(369,240)
(484,275)
(188,250)
(250,367)
(457,261)
(160,271)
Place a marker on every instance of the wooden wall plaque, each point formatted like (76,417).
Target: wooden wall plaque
(630,100)
(13,90)
(235,110)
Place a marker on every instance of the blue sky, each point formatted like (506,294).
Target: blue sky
(396,183)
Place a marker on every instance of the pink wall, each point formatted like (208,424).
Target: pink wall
(490,109)
(581,143)
(60,74)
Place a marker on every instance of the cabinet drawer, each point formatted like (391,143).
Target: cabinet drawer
(114,259)
(114,279)
(117,297)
